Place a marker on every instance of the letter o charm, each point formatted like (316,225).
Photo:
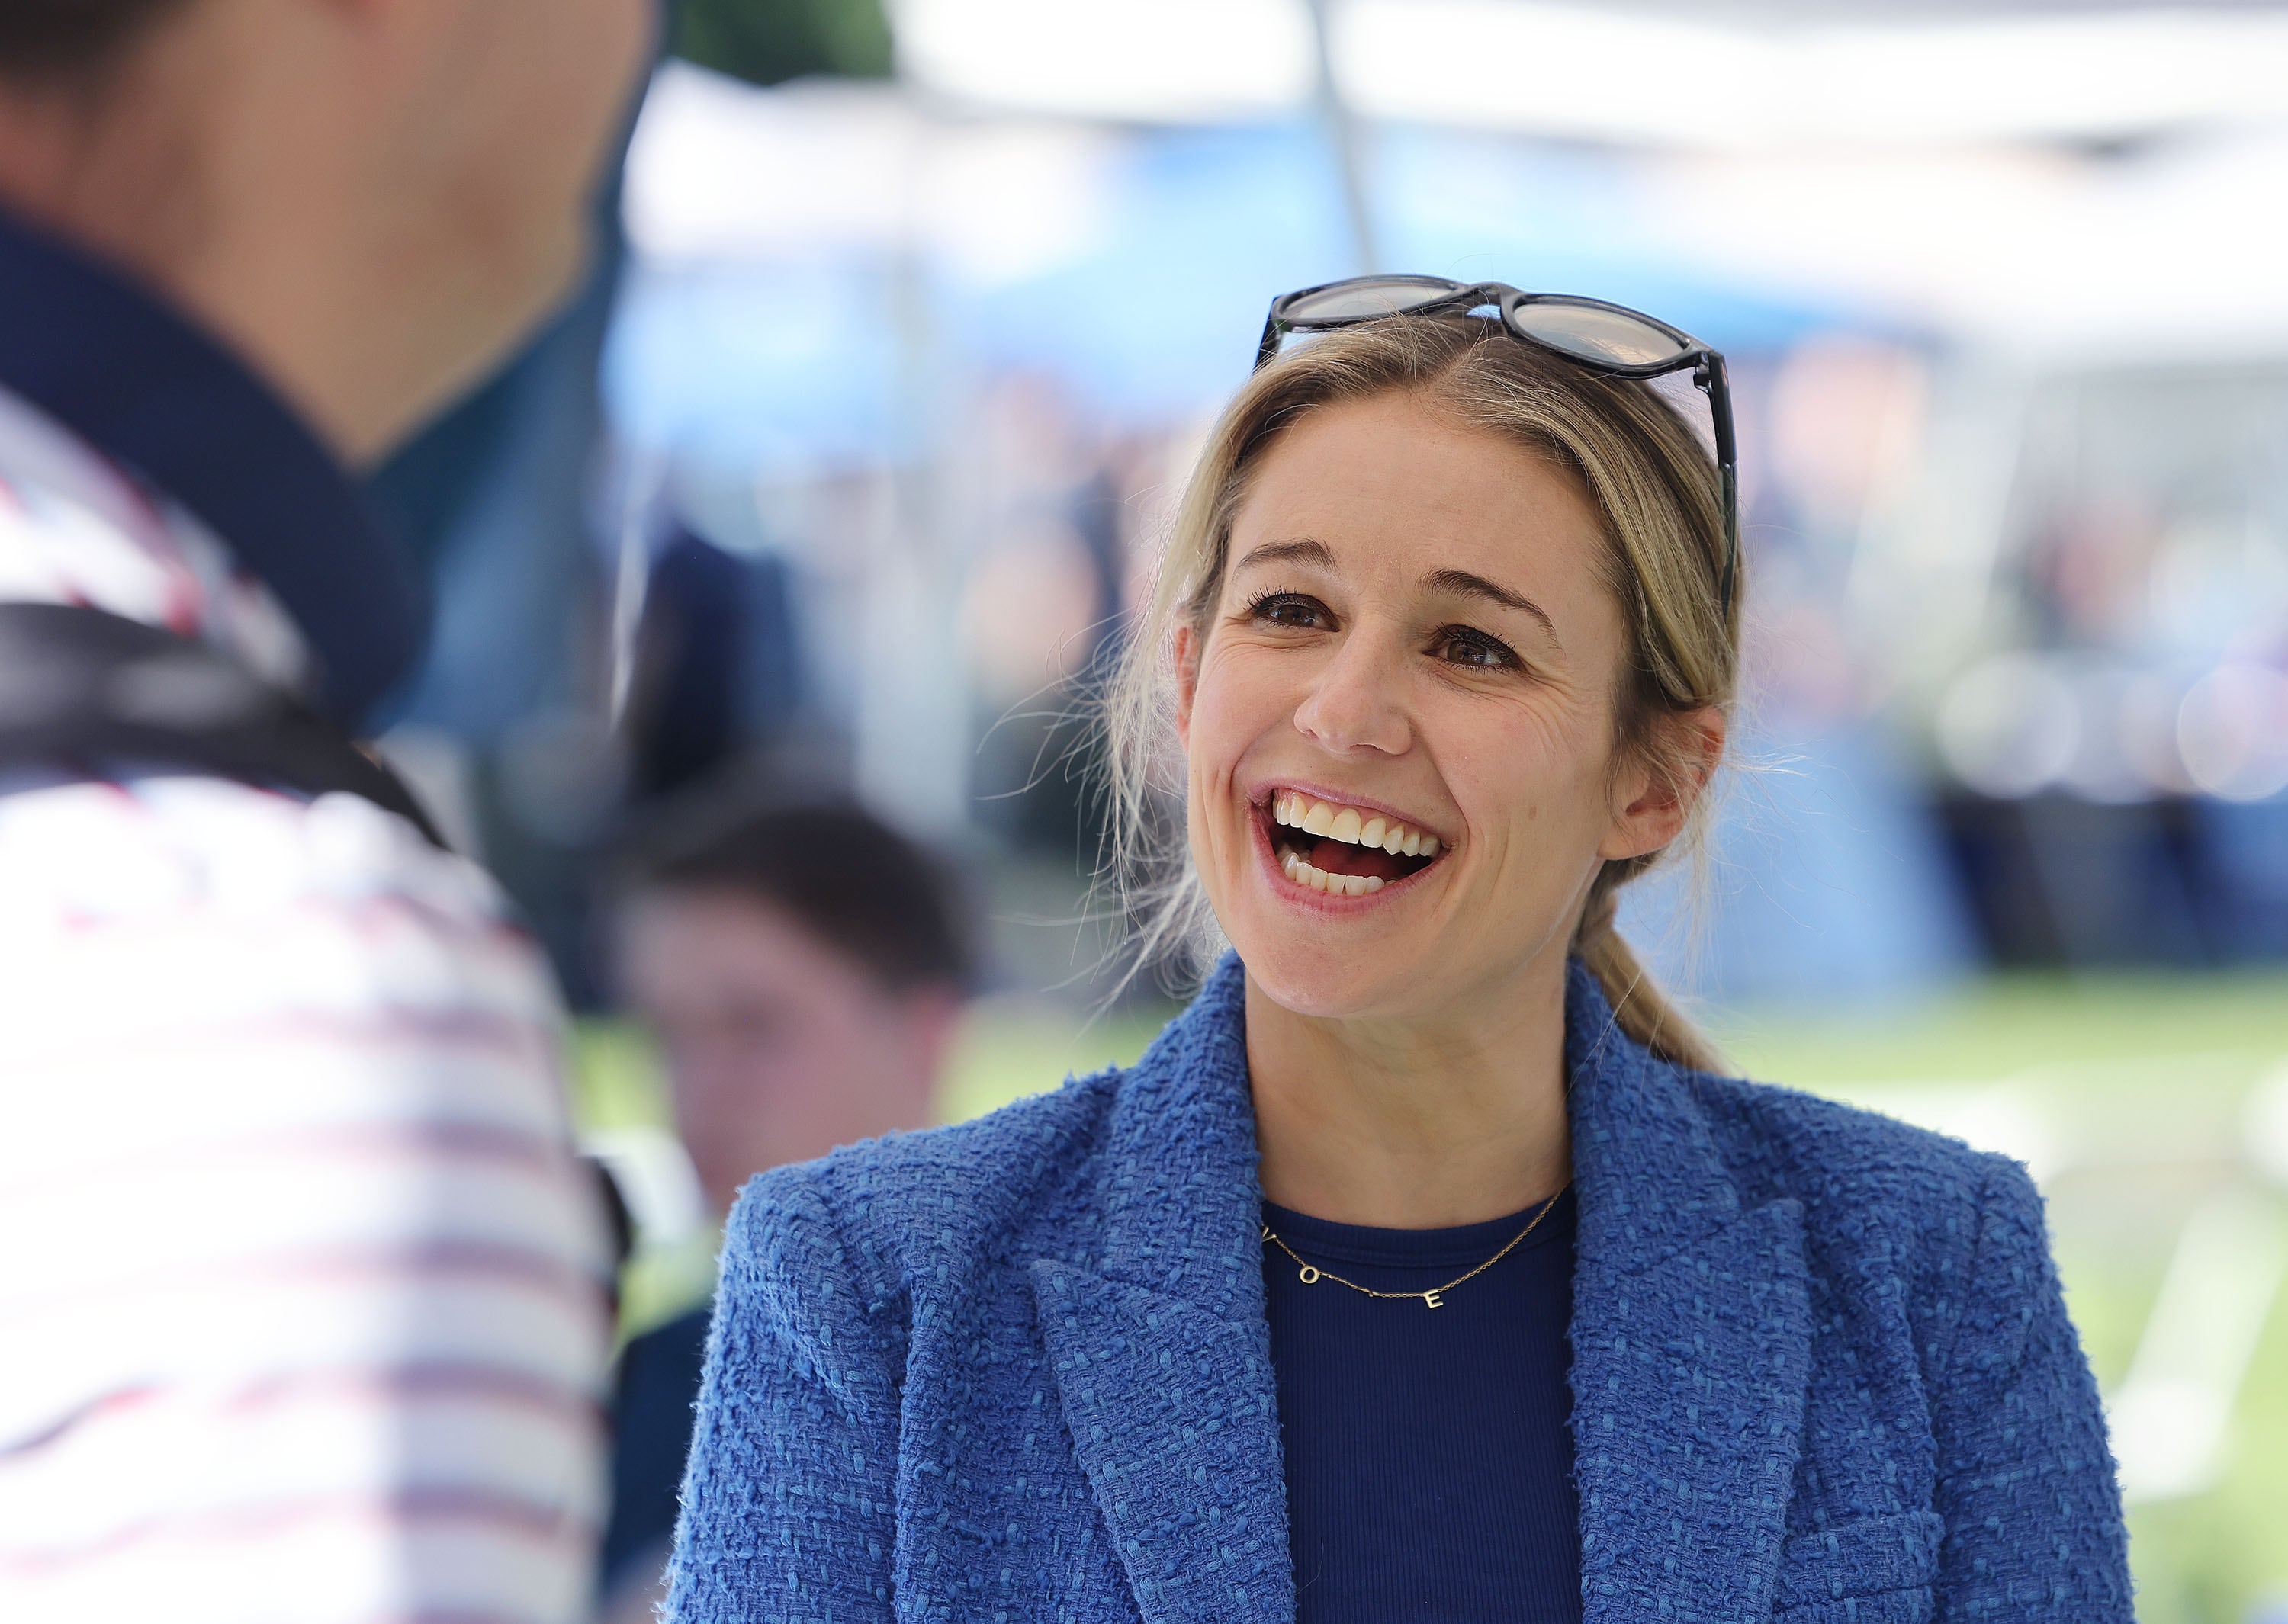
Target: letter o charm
(1310,1276)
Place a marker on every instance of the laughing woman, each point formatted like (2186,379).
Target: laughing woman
(1427,1266)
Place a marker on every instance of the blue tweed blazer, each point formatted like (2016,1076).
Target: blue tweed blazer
(1018,1369)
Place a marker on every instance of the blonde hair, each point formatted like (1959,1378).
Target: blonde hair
(1652,483)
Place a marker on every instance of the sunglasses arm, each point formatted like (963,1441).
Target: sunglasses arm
(1268,346)
(1710,378)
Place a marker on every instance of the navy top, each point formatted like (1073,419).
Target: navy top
(1429,1456)
(118,366)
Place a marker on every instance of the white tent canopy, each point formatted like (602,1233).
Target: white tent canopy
(2170,249)
(1688,77)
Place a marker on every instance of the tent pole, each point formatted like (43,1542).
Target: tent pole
(1342,134)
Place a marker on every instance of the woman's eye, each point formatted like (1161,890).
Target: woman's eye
(1459,645)
(1290,609)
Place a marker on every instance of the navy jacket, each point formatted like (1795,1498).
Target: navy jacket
(1018,1370)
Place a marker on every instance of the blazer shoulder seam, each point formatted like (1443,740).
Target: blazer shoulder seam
(1991,1204)
(880,1292)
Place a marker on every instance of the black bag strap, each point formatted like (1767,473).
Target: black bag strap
(82,689)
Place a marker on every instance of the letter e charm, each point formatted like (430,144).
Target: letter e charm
(1434,1299)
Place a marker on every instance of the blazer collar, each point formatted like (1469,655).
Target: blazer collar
(1183,1201)
(1692,1336)
(1691,1344)
(1646,1170)
(1162,1355)
(1183,1205)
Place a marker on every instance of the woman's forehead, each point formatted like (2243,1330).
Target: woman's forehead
(1391,485)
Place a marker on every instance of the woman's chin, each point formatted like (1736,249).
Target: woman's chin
(1327,981)
(1381,966)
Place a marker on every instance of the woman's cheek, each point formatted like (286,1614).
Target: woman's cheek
(1211,758)
(1233,705)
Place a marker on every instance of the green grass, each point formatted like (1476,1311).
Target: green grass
(2141,1083)
(2131,1086)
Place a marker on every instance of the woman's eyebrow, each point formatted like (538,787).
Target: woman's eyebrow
(1302,550)
(1477,586)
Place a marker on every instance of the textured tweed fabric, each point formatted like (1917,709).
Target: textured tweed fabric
(1019,1370)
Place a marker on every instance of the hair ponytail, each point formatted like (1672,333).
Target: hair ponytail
(1640,1007)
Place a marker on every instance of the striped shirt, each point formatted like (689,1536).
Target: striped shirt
(302,1308)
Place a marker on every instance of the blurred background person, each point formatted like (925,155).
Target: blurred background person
(803,970)
(314,1325)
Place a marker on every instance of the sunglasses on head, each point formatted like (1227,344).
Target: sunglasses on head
(1610,339)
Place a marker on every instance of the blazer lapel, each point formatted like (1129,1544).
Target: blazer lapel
(1176,1422)
(1162,1355)
(1691,1346)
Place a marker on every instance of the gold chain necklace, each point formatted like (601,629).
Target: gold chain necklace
(1312,1274)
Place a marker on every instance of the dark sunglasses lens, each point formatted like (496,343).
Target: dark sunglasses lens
(1610,336)
(1360,300)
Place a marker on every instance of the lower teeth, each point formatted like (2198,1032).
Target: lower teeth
(1334,884)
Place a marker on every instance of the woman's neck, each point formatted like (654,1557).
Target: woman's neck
(1413,1125)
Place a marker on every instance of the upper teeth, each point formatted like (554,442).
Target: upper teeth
(1350,825)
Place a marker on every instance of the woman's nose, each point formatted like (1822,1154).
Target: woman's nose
(1354,704)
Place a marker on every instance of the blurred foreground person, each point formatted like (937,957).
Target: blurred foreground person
(1431,1265)
(803,972)
(304,1317)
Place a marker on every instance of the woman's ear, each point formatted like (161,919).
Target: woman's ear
(1187,650)
(1659,792)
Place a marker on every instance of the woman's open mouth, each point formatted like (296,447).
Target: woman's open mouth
(1344,851)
